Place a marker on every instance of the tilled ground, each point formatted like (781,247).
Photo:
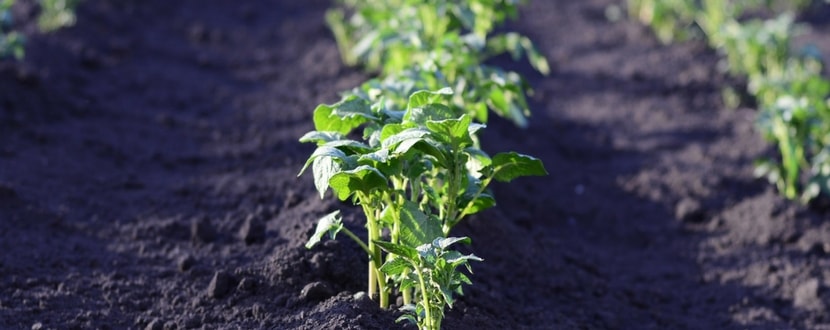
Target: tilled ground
(148,161)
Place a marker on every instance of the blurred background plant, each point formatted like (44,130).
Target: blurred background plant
(755,38)
(54,14)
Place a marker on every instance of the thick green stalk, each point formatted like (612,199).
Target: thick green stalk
(455,180)
(426,299)
(377,280)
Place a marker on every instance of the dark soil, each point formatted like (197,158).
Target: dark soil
(148,161)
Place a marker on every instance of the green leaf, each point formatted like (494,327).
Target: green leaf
(429,112)
(323,152)
(344,116)
(417,228)
(330,223)
(375,157)
(396,266)
(477,161)
(421,98)
(453,131)
(350,145)
(455,258)
(363,179)
(443,243)
(321,137)
(398,249)
(412,135)
(510,165)
(537,60)
(481,203)
(324,168)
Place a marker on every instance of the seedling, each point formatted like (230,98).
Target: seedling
(789,88)
(416,173)
(449,40)
(54,14)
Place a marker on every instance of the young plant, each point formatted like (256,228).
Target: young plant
(54,14)
(416,173)
(11,42)
(432,270)
(789,88)
(449,39)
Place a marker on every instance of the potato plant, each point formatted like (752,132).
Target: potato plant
(450,40)
(787,85)
(11,42)
(417,168)
(54,14)
(416,173)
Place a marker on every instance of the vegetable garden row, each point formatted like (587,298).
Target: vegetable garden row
(418,169)
(407,147)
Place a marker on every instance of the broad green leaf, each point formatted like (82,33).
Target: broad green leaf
(481,203)
(453,131)
(396,266)
(407,317)
(321,137)
(392,141)
(342,117)
(323,151)
(510,165)
(350,145)
(455,258)
(375,157)
(363,179)
(354,106)
(444,242)
(421,98)
(390,130)
(432,111)
(324,168)
(417,228)
(477,161)
(427,253)
(398,249)
(330,223)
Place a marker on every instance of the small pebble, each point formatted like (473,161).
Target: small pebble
(315,291)
(252,231)
(806,295)
(201,231)
(220,285)
(186,262)
(689,210)
(155,324)
(360,295)
(247,285)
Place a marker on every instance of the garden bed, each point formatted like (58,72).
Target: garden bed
(148,161)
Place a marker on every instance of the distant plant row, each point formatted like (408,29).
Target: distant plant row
(404,146)
(791,94)
(54,14)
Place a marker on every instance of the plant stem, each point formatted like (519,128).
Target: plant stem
(357,240)
(452,194)
(407,296)
(377,280)
(425,298)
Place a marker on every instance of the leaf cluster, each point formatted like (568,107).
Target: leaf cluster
(416,173)
(787,85)
(54,14)
(404,146)
(449,42)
